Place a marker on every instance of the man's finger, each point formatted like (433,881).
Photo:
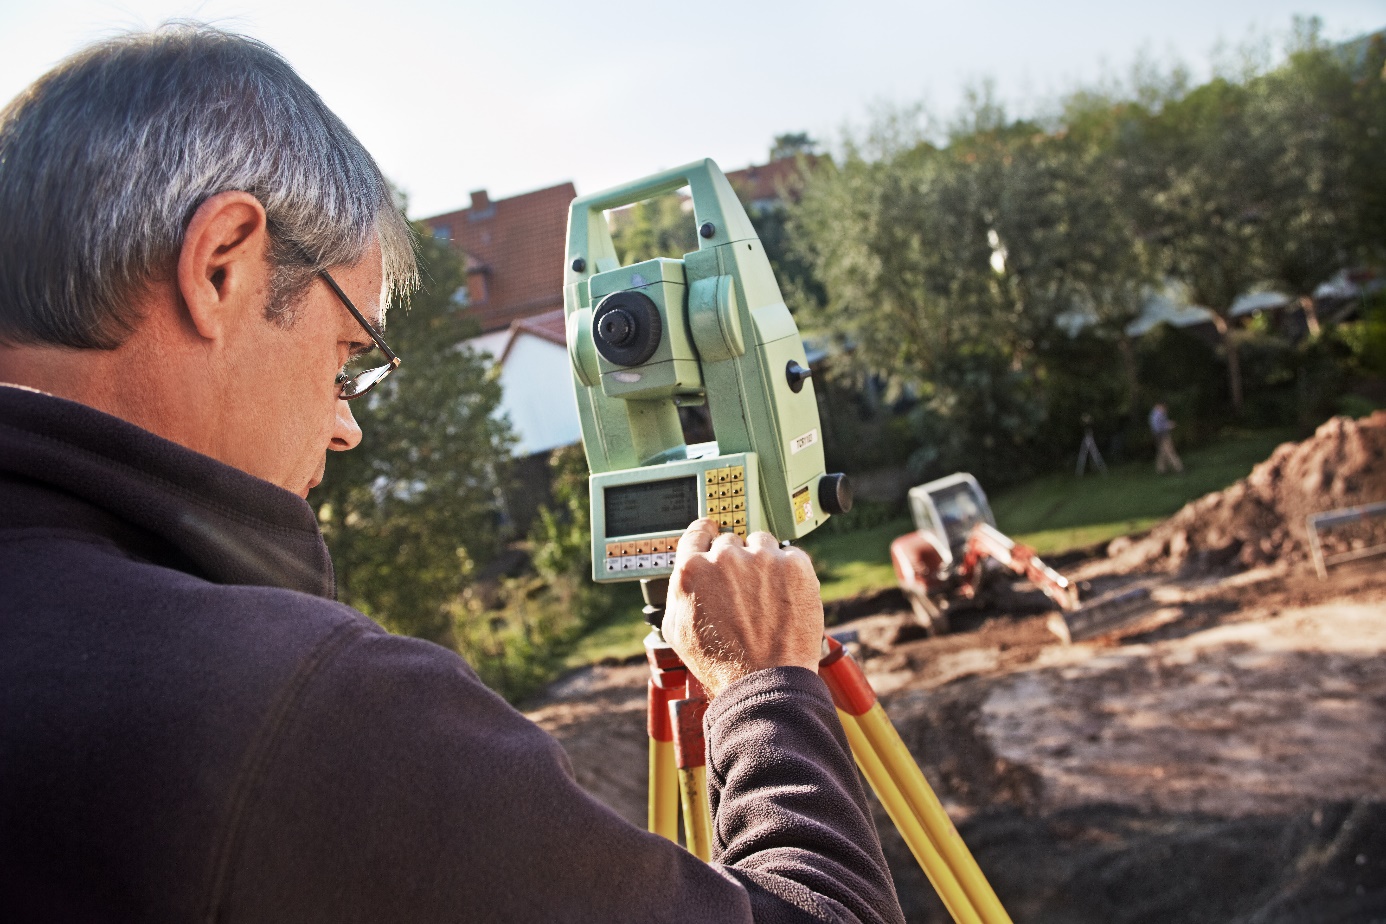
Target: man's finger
(761,541)
(726,540)
(696,539)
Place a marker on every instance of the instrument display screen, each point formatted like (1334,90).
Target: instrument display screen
(651,506)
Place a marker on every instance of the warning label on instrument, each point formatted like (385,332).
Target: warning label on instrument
(803,505)
(803,442)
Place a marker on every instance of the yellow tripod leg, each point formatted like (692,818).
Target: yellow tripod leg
(930,860)
(690,755)
(697,817)
(885,742)
(663,779)
(664,790)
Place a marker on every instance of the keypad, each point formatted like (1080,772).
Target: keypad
(641,554)
(726,497)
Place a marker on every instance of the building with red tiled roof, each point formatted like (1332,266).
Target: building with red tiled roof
(550,326)
(514,249)
(763,187)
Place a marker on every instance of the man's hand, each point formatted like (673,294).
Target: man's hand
(737,607)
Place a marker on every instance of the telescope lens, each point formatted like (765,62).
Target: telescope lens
(626,328)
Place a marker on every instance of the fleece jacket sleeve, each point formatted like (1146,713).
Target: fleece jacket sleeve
(789,814)
(392,785)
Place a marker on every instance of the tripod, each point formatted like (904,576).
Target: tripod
(1087,450)
(678,771)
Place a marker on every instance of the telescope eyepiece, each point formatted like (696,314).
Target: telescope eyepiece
(617,327)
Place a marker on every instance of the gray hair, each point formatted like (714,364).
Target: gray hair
(104,160)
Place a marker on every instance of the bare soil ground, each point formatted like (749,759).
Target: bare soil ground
(1217,755)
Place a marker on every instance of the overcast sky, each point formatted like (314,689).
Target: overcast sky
(509,97)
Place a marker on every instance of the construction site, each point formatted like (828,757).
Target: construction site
(1213,751)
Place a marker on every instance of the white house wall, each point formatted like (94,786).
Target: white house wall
(537,393)
(493,343)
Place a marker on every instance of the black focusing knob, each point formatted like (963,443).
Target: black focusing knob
(795,375)
(617,327)
(708,229)
(835,493)
(626,328)
(579,264)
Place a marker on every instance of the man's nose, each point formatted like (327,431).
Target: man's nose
(346,434)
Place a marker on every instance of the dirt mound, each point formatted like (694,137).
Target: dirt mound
(1260,520)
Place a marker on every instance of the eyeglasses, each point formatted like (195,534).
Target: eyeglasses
(354,385)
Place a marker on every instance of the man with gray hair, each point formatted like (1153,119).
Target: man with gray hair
(195,260)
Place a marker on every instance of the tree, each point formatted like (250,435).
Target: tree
(1368,138)
(411,511)
(1193,178)
(792,144)
(1300,123)
(658,227)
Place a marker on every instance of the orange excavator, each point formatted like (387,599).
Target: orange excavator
(956,549)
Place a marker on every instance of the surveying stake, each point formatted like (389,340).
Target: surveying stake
(712,328)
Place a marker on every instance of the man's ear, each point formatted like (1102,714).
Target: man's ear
(223,267)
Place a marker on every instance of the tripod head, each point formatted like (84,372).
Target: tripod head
(710,328)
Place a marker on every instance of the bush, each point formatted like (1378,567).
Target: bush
(1184,371)
(519,646)
(983,416)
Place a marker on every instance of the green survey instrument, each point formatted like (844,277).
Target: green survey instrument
(710,328)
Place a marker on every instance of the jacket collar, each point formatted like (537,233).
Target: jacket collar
(155,498)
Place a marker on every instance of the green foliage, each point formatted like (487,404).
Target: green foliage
(1366,338)
(984,416)
(953,269)
(410,512)
(792,144)
(1182,370)
(658,227)
(523,643)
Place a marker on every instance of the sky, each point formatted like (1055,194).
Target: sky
(513,96)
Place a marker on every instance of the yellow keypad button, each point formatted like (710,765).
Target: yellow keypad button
(739,519)
(725,520)
(738,488)
(737,503)
(740,531)
(736,473)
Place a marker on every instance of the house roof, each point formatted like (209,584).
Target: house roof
(548,326)
(518,244)
(770,182)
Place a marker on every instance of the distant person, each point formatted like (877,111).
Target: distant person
(1163,428)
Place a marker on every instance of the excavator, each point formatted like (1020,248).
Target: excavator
(956,550)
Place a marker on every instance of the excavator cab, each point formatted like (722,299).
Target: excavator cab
(949,508)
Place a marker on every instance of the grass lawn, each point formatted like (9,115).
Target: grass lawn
(1060,512)
(1057,512)
(621,637)
(1053,514)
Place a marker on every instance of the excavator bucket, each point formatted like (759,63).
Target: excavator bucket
(1102,615)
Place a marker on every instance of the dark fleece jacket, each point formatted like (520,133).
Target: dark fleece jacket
(192,729)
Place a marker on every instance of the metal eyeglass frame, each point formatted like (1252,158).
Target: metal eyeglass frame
(354,386)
